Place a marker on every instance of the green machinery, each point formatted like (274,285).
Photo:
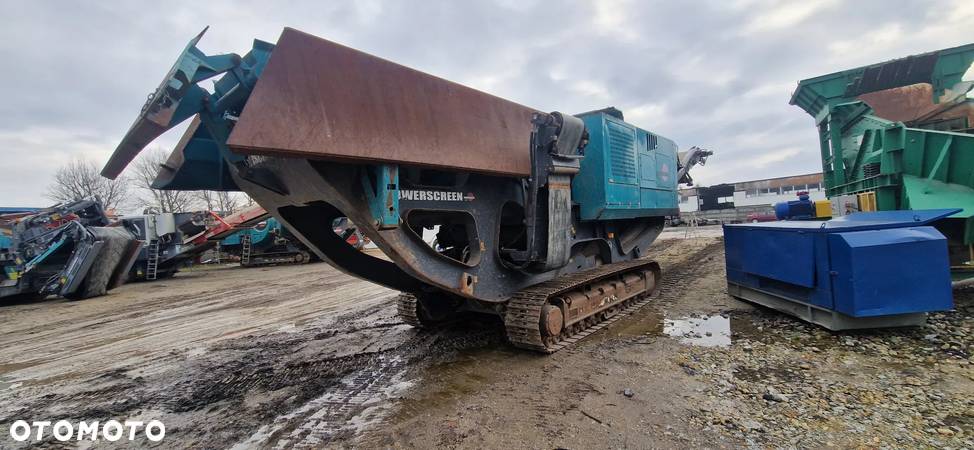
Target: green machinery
(900,135)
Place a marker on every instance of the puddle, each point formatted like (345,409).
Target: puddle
(705,331)
(645,322)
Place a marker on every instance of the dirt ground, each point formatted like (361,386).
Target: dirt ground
(307,357)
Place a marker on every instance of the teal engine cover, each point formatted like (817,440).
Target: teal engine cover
(627,172)
(257,234)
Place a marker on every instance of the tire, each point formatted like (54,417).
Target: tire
(96,280)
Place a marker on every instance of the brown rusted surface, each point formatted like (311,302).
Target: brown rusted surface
(319,99)
(552,320)
(467,282)
(914,105)
(902,104)
(581,304)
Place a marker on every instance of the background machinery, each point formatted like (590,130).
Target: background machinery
(897,156)
(542,219)
(65,250)
(897,135)
(258,239)
(863,270)
(268,242)
(169,241)
(802,209)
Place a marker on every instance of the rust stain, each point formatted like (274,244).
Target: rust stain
(914,104)
(319,99)
(467,282)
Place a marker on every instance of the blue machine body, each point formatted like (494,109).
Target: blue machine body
(17,209)
(800,209)
(627,172)
(257,234)
(861,265)
(203,162)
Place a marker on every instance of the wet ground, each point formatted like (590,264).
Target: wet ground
(306,357)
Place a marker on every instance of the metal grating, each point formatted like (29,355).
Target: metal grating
(870,170)
(651,141)
(622,152)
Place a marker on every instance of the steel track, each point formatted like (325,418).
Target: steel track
(406,306)
(523,317)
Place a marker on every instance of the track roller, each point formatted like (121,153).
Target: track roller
(552,315)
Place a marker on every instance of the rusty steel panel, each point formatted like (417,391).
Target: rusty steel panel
(319,99)
(914,105)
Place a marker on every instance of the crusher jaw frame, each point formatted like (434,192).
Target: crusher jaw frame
(542,218)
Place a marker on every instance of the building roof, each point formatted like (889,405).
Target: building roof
(803,179)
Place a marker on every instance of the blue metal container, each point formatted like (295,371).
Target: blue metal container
(863,270)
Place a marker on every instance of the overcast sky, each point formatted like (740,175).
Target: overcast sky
(715,74)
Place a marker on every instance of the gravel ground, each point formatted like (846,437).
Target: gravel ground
(306,357)
(787,383)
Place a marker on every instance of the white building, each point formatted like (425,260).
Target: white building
(765,192)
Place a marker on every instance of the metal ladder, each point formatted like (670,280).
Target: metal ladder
(152,265)
(245,249)
(691,228)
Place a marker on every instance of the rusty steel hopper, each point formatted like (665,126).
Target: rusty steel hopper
(319,99)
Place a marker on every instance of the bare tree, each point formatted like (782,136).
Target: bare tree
(79,179)
(248,202)
(222,202)
(146,168)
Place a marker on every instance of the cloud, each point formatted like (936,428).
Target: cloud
(611,19)
(651,116)
(783,14)
(870,45)
(592,89)
(778,156)
(32,154)
(716,74)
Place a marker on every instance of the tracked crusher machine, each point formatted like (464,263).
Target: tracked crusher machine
(70,250)
(266,243)
(544,219)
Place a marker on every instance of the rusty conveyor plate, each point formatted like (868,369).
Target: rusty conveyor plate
(319,99)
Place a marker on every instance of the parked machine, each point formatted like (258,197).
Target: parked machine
(543,219)
(863,270)
(258,239)
(169,241)
(801,209)
(64,250)
(898,135)
(898,161)
(268,242)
